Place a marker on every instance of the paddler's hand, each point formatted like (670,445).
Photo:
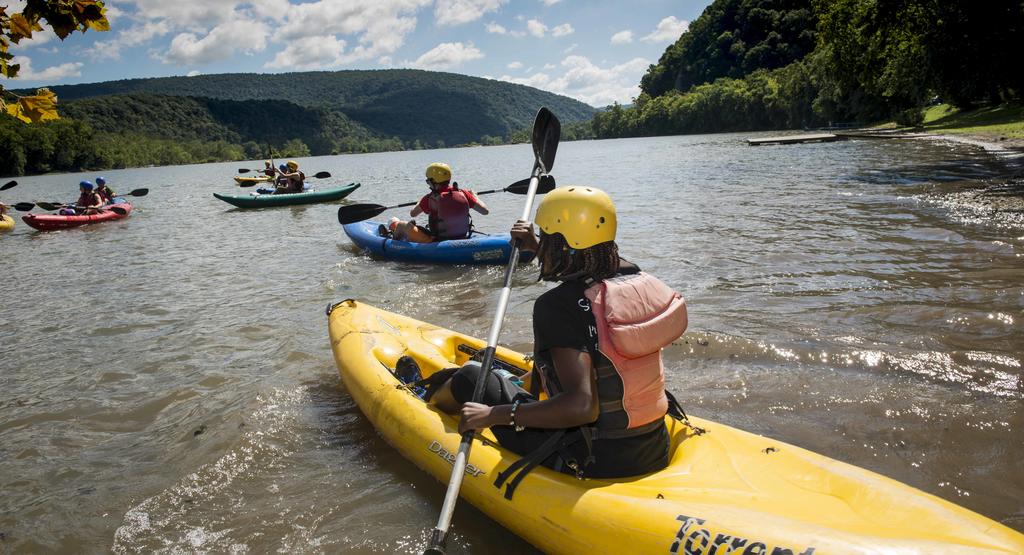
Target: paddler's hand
(523,231)
(476,416)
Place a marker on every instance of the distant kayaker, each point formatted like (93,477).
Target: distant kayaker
(292,180)
(106,193)
(447,209)
(268,169)
(87,201)
(604,415)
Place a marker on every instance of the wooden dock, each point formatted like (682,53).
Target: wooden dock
(793,139)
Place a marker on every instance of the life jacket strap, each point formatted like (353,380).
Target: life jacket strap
(519,469)
(675,410)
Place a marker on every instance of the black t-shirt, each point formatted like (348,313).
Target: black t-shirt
(562,318)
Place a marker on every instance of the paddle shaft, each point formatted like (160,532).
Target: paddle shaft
(439,537)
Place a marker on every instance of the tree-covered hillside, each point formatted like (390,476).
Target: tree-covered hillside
(749,65)
(733,38)
(412,105)
(260,122)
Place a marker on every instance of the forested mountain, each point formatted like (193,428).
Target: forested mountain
(732,38)
(773,64)
(253,123)
(409,104)
(180,120)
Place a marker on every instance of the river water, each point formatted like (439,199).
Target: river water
(166,382)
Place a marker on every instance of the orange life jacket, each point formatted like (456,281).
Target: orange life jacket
(636,315)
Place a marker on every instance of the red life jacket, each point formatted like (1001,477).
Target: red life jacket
(449,213)
(89,199)
(636,315)
(104,195)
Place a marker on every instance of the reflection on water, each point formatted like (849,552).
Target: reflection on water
(168,385)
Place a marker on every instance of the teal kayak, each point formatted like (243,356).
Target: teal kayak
(308,197)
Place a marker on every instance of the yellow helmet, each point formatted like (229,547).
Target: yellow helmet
(585,216)
(439,172)
(293,165)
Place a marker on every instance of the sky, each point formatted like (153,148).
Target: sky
(593,50)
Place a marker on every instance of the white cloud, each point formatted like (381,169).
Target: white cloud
(385,61)
(193,73)
(536,28)
(549,66)
(192,15)
(308,53)
(583,80)
(52,73)
(562,30)
(447,55)
(496,29)
(571,48)
(622,37)
(515,65)
(241,35)
(457,12)
(133,36)
(669,29)
(377,27)
(549,2)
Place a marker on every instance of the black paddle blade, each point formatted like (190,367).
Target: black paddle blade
(250,183)
(24,206)
(546,185)
(117,210)
(8,185)
(243,170)
(546,132)
(49,205)
(358,212)
(322,175)
(139,193)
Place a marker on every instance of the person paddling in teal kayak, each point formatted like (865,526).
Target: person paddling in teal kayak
(447,209)
(106,193)
(291,180)
(604,379)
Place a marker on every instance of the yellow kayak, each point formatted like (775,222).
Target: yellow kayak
(726,491)
(253,180)
(6,223)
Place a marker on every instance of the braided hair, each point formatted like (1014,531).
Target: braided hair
(559,262)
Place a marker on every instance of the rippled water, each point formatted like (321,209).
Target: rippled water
(166,381)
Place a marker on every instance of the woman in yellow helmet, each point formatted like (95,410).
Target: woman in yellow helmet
(597,353)
(447,209)
(291,180)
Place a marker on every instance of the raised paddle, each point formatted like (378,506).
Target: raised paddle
(358,212)
(8,185)
(546,132)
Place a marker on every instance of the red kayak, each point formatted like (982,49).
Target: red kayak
(52,222)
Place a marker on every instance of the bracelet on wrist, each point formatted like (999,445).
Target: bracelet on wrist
(512,417)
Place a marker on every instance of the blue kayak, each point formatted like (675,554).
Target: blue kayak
(478,248)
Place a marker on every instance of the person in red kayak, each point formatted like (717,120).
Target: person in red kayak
(447,209)
(268,169)
(106,193)
(87,203)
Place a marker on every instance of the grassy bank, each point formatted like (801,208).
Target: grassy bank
(992,122)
